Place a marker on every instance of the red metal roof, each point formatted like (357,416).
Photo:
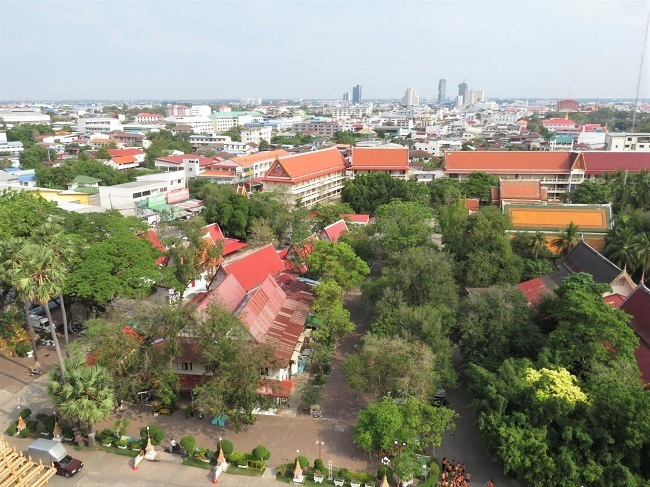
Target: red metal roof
(383,159)
(276,388)
(252,269)
(125,152)
(600,162)
(228,293)
(249,160)
(152,236)
(215,234)
(472,204)
(260,310)
(534,290)
(614,300)
(189,382)
(309,165)
(637,304)
(360,219)
(509,162)
(119,160)
(558,121)
(334,230)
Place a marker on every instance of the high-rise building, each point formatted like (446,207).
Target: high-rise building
(410,98)
(462,91)
(356,94)
(442,90)
(346,96)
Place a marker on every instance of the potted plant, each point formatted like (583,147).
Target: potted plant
(239,459)
(135,444)
(341,476)
(356,479)
(202,454)
(122,444)
(368,480)
(318,476)
(68,434)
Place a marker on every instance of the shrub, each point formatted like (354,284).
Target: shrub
(136,443)
(25,413)
(122,443)
(120,427)
(25,432)
(384,470)
(41,417)
(22,349)
(238,458)
(304,463)
(13,429)
(155,433)
(318,464)
(188,443)
(202,453)
(261,453)
(344,474)
(226,446)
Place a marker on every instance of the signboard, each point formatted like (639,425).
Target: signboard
(178,195)
(156,200)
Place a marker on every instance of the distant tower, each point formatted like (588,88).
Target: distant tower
(356,94)
(442,90)
(462,91)
(346,96)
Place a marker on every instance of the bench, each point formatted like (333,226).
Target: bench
(168,412)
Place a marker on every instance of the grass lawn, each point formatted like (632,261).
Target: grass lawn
(193,462)
(235,470)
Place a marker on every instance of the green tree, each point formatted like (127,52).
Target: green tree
(591,193)
(414,421)
(402,225)
(393,366)
(478,185)
(264,145)
(234,362)
(334,319)
(336,261)
(81,393)
(445,191)
(22,211)
(620,247)
(641,252)
(327,214)
(494,324)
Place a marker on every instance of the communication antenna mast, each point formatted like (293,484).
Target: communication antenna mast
(638,80)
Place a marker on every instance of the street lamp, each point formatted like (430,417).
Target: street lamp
(320,445)
(400,446)
(220,443)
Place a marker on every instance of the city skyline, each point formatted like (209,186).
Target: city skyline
(307,50)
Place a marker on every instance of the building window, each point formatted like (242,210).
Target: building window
(187,366)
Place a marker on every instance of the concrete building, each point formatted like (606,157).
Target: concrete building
(442,90)
(101,125)
(639,142)
(200,110)
(319,126)
(462,91)
(146,117)
(311,177)
(199,125)
(21,116)
(346,96)
(225,120)
(388,160)
(560,142)
(566,106)
(178,111)
(256,165)
(410,98)
(356,94)
(256,132)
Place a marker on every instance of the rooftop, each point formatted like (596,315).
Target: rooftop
(299,167)
(379,158)
(509,162)
(589,218)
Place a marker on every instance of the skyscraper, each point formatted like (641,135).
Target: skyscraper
(442,90)
(356,94)
(346,96)
(462,91)
(410,98)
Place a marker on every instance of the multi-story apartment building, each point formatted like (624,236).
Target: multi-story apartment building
(20,116)
(199,125)
(322,127)
(256,132)
(311,177)
(178,111)
(560,142)
(627,142)
(200,110)
(354,111)
(146,117)
(410,98)
(102,125)
(224,121)
(442,90)
(201,140)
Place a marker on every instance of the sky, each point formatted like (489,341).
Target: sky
(213,49)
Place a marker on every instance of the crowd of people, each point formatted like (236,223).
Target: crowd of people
(453,474)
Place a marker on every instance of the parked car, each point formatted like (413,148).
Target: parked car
(52,451)
(39,323)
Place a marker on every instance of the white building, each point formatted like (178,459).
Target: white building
(255,132)
(21,116)
(627,142)
(102,125)
(224,121)
(200,110)
(410,98)
(593,139)
(124,197)
(199,125)
(201,140)
(354,111)
(146,117)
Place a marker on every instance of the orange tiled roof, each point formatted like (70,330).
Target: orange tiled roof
(308,165)
(509,162)
(367,158)
(119,160)
(558,217)
(249,160)
(518,189)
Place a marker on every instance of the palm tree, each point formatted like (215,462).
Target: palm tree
(10,259)
(567,239)
(51,235)
(537,243)
(87,396)
(620,248)
(642,189)
(39,276)
(641,248)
